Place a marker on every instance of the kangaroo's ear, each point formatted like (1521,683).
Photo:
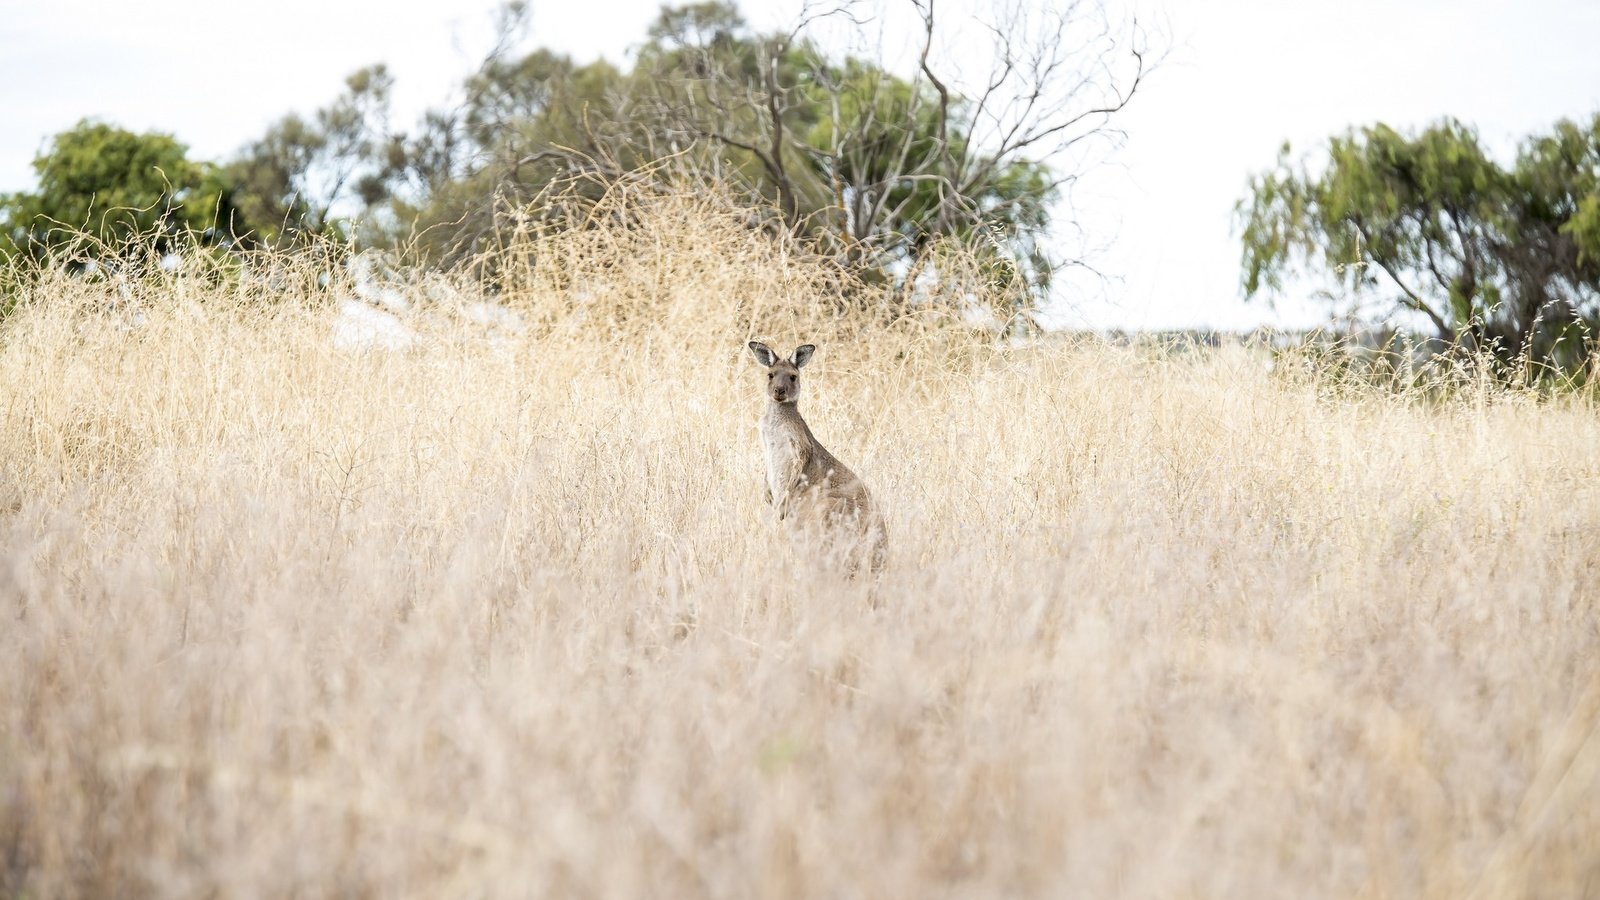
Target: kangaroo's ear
(764,354)
(802,354)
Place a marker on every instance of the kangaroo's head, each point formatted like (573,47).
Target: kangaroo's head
(783,375)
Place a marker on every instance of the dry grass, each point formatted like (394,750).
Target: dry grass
(501,614)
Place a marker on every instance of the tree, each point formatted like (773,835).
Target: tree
(885,167)
(523,127)
(522,123)
(880,169)
(294,181)
(1504,260)
(119,188)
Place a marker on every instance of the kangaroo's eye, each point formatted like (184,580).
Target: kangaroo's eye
(769,376)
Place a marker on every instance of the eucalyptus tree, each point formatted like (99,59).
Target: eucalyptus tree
(1499,258)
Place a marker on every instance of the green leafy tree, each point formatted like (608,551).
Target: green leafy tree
(523,121)
(885,148)
(1502,259)
(309,177)
(885,167)
(880,169)
(523,126)
(732,102)
(118,188)
(1551,246)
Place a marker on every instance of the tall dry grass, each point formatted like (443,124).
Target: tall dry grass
(501,613)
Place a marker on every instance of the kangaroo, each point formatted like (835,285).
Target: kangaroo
(809,486)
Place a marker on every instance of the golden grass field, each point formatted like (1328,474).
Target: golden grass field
(501,614)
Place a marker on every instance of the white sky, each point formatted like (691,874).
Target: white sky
(1242,77)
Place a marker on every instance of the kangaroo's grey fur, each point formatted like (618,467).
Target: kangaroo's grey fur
(810,487)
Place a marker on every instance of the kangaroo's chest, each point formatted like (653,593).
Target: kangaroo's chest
(784,448)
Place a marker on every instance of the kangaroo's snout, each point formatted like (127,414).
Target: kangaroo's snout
(783,386)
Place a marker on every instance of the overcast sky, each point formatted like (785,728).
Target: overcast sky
(1242,77)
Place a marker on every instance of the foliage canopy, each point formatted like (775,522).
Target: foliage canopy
(116,186)
(1496,259)
(878,169)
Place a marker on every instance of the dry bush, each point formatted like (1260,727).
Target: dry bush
(501,613)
